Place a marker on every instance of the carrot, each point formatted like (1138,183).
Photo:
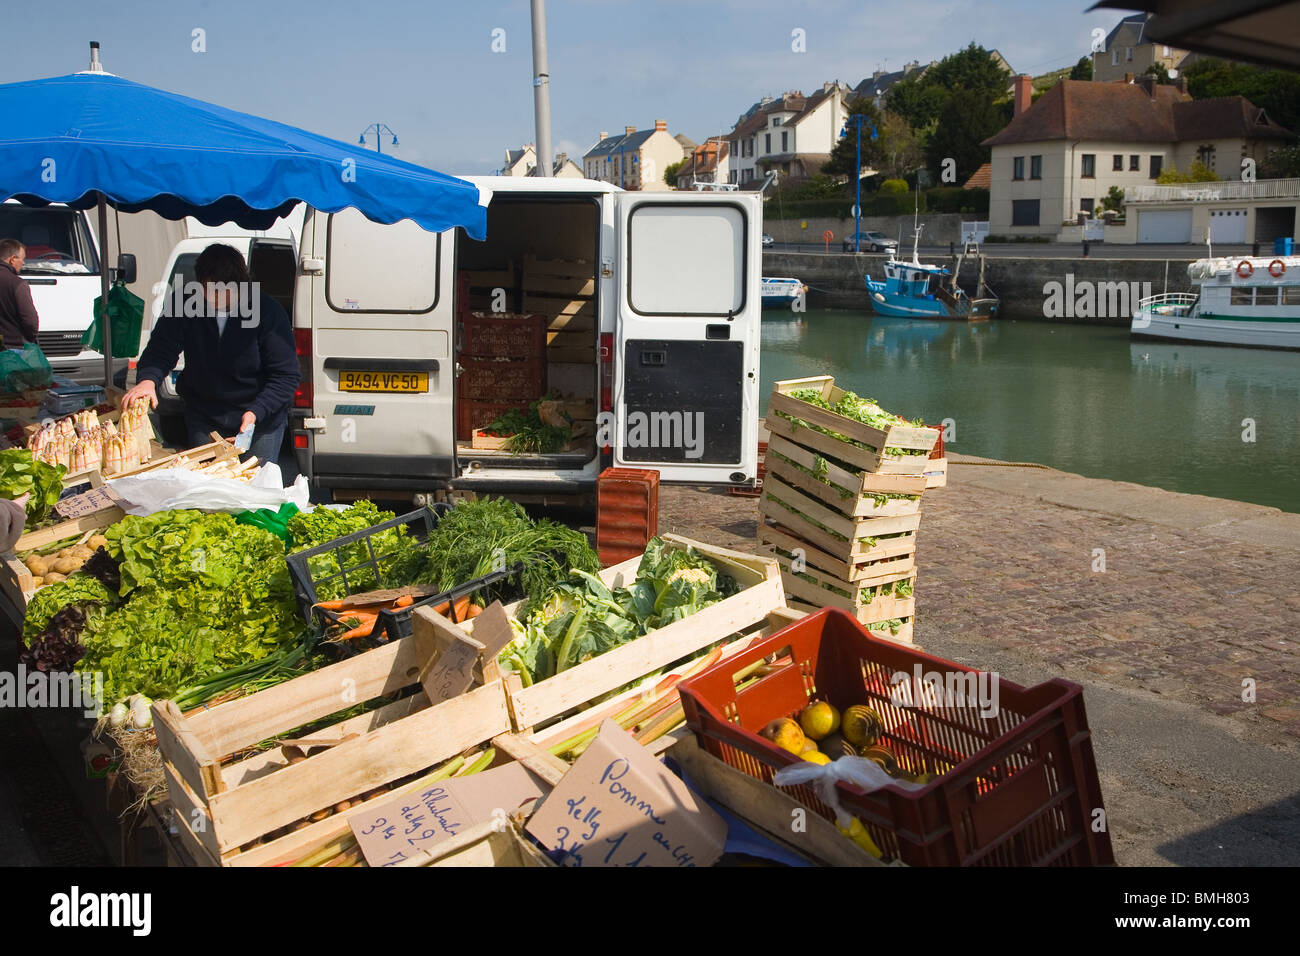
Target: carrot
(404,601)
(329,605)
(473,611)
(462,608)
(365,624)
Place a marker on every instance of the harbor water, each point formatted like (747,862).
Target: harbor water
(1205,420)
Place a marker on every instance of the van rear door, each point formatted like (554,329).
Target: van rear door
(687,337)
(381,364)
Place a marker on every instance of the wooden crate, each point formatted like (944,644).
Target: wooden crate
(842,489)
(896,436)
(850,504)
(881,608)
(563,313)
(880,564)
(904,635)
(852,528)
(498,335)
(225,801)
(762,593)
(491,278)
(568,277)
(936,473)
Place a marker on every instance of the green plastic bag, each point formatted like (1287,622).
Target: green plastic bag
(276,522)
(126,312)
(24,368)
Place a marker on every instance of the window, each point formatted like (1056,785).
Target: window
(1166,51)
(767,142)
(1035,167)
(1018,168)
(731,177)
(1242,295)
(1089,166)
(1291,295)
(1024,212)
(1114,57)
(1128,54)
(1205,155)
(1135,164)
(1266,295)
(785,141)
(1157,162)
(776,121)
(1117,163)
(366,275)
(1086,205)
(704,242)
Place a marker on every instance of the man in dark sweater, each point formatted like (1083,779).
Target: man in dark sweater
(241,369)
(18,319)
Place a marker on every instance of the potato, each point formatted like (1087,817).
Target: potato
(37,565)
(82,553)
(37,581)
(67,565)
(97,541)
(54,577)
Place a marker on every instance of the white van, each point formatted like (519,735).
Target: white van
(652,310)
(62,269)
(272,258)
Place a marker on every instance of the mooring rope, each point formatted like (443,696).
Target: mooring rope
(1002,464)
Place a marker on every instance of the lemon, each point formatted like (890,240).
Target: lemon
(819,720)
(859,835)
(815,756)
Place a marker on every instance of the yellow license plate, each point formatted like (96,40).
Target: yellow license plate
(384,381)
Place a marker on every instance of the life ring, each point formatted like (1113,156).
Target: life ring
(1280,269)
(1245,269)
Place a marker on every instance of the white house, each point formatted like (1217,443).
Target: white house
(794,134)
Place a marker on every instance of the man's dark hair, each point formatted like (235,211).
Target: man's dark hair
(11,247)
(220,263)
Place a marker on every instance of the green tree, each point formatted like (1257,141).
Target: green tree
(966,120)
(1113,200)
(1276,91)
(1160,73)
(1281,163)
(671,171)
(971,70)
(902,148)
(1083,69)
(1198,172)
(916,101)
(894,187)
(844,154)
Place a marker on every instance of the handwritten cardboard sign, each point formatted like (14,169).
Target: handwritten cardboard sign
(389,831)
(86,503)
(619,806)
(451,653)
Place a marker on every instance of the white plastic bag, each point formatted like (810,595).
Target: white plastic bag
(863,773)
(172,488)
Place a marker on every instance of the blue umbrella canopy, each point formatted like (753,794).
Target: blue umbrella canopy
(69,139)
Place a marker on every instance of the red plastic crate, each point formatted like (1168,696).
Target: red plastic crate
(627,512)
(1013,789)
(937,452)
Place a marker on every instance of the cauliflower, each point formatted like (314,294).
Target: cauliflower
(691,575)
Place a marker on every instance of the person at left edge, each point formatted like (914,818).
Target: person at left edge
(240,369)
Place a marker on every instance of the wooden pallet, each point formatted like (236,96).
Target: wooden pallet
(762,593)
(226,800)
(881,607)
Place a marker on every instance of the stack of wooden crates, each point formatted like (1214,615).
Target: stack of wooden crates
(841,516)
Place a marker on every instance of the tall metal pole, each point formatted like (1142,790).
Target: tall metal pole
(105,328)
(857,209)
(541,89)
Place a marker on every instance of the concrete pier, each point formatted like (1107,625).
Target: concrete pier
(1197,607)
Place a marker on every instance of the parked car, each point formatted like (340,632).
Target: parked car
(870,242)
(768,240)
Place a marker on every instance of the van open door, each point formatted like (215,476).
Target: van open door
(686,340)
(376,351)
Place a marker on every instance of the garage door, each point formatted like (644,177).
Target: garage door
(1165,226)
(1227,225)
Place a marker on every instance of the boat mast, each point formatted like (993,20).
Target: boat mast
(916,226)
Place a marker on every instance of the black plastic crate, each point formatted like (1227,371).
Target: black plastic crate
(368,570)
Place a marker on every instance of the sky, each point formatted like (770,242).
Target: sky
(430,72)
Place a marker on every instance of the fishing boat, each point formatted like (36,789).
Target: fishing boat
(922,291)
(781,293)
(912,290)
(1253,302)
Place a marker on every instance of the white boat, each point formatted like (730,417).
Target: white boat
(782,292)
(1253,302)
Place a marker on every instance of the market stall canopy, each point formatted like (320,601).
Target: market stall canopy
(70,138)
(1257,31)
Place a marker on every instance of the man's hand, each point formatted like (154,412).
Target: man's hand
(247,421)
(145,388)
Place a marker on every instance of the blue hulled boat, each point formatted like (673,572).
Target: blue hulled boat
(921,291)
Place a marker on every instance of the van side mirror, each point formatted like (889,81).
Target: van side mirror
(125,267)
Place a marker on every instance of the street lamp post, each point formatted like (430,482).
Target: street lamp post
(378,129)
(857,120)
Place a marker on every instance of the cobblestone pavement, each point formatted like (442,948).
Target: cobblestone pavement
(1176,612)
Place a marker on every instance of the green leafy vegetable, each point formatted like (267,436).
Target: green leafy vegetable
(859,409)
(583,618)
(79,589)
(527,434)
(397,555)
(20,473)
